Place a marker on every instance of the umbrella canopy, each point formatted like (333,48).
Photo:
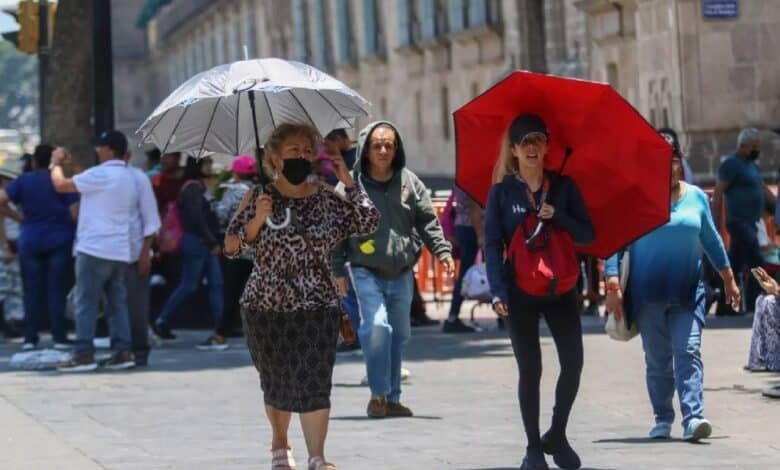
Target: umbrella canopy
(620,163)
(233,108)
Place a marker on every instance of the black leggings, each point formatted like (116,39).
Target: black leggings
(562,317)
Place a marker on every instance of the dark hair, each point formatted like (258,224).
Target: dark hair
(26,162)
(192,169)
(42,156)
(337,134)
(671,137)
(153,156)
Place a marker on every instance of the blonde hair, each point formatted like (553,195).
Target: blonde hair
(507,162)
(273,146)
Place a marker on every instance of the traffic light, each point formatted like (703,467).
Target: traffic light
(29,28)
(28,38)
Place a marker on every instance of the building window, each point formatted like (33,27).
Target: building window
(445,113)
(374,40)
(322,57)
(409,26)
(465,14)
(301,26)
(347,43)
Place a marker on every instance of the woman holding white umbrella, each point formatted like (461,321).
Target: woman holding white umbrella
(290,306)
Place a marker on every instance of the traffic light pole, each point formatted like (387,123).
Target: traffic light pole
(43,62)
(103,67)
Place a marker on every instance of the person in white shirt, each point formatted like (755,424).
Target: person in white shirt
(144,225)
(104,248)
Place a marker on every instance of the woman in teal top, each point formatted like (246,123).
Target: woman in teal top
(667,302)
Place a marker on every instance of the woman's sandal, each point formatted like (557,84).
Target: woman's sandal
(319,463)
(282,459)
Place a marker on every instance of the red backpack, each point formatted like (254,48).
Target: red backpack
(547,264)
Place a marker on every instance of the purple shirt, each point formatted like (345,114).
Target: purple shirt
(462,200)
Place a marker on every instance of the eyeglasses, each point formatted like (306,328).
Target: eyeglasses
(534,138)
(380,144)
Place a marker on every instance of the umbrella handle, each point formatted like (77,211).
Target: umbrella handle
(287,217)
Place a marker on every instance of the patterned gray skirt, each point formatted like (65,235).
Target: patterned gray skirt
(294,353)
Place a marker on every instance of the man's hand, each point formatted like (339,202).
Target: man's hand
(546,212)
(144,264)
(449,264)
(60,156)
(614,301)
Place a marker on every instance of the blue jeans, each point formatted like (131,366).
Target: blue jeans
(44,276)
(467,242)
(745,254)
(196,260)
(96,277)
(350,304)
(671,338)
(385,328)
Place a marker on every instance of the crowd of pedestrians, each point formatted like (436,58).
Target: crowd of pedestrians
(341,229)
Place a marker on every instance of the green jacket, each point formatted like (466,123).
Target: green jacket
(408,218)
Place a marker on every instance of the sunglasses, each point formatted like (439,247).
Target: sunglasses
(534,138)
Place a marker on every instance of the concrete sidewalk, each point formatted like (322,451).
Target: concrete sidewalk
(196,410)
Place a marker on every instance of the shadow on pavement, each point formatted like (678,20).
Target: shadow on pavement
(366,418)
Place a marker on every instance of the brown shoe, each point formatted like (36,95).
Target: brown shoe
(397,410)
(377,408)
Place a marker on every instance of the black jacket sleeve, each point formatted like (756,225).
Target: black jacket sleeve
(193,209)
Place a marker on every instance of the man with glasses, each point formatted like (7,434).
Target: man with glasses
(381,265)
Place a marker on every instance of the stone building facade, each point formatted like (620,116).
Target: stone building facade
(417,61)
(707,77)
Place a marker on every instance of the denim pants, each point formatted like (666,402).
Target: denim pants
(671,338)
(385,328)
(196,260)
(467,242)
(745,254)
(96,277)
(350,304)
(44,275)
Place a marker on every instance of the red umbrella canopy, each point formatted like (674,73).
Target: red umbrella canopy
(620,163)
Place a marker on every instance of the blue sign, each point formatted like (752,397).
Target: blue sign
(720,9)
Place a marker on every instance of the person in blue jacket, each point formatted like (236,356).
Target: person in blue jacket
(520,177)
(668,303)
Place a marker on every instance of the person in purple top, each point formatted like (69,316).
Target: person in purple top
(45,244)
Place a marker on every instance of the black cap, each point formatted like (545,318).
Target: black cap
(526,124)
(114,140)
(671,137)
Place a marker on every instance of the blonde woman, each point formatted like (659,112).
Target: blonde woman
(520,196)
(290,306)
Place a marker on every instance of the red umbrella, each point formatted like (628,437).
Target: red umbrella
(620,163)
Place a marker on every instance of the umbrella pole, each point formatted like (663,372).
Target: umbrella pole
(258,151)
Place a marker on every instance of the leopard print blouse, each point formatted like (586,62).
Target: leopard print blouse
(287,276)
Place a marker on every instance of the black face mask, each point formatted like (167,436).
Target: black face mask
(754,154)
(296,170)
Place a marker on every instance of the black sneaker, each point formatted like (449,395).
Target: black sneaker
(84,363)
(344,348)
(563,455)
(162,331)
(457,326)
(534,460)
(213,343)
(119,361)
